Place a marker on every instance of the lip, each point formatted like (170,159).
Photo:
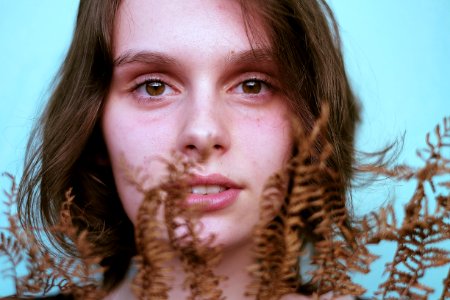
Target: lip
(217,201)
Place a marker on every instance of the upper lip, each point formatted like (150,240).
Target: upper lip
(213,179)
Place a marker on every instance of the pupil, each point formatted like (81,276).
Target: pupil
(251,87)
(155,88)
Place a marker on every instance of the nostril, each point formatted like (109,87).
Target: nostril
(217,147)
(190,147)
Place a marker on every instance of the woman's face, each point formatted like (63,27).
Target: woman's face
(186,79)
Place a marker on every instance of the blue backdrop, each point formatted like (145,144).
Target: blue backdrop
(397,54)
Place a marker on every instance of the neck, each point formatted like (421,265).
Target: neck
(233,265)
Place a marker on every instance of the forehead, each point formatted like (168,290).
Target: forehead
(179,25)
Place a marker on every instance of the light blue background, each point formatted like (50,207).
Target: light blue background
(397,53)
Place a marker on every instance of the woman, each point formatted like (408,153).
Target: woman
(224,83)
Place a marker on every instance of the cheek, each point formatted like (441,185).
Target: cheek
(135,138)
(269,138)
(267,145)
(133,143)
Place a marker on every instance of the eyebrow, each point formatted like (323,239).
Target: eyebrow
(147,57)
(258,55)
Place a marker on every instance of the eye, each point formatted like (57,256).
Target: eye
(252,87)
(155,88)
(152,89)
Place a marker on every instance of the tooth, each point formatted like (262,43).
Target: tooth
(207,189)
(213,189)
(199,189)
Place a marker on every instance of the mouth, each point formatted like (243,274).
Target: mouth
(212,192)
(207,189)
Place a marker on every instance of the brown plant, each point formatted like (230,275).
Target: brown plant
(314,203)
(46,270)
(158,239)
(302,205)
(422,231)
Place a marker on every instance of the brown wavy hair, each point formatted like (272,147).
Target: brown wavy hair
(67,149)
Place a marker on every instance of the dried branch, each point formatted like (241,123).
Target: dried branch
(46,271)
(302,205)
(158,239)
(421,230)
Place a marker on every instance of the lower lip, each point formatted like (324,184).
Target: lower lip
(213,202)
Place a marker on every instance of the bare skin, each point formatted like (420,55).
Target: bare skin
(186,79)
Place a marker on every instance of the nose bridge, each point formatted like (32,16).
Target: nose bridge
(204,130)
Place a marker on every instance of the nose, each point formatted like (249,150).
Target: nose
(204,131)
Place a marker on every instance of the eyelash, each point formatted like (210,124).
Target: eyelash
(267,86)
(142,84)
(263,80)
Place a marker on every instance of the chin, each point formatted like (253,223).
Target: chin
(226,234)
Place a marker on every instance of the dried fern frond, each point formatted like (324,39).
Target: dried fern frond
(272,274)
(422,230)
(10,239)
(45,271)
(199,257)
(446,290)
(82,273)
(314,211)
(320,197)
(153,251)
(158,239)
